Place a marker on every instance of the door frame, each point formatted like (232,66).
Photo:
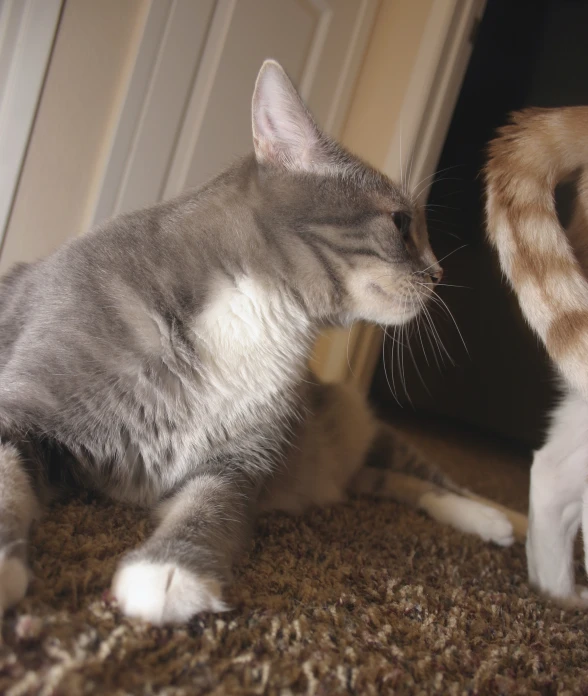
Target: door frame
(27,33)
(416,145)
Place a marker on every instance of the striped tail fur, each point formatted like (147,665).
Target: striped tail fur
(544,264)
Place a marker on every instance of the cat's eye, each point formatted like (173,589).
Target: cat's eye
(403,222)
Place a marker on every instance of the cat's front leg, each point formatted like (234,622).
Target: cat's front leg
(181,570)
(557,483)
(18,507)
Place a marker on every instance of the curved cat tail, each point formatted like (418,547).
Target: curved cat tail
(530,156)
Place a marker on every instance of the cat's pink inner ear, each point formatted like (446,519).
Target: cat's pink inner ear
(283,130)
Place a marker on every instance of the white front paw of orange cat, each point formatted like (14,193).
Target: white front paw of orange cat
(164,593)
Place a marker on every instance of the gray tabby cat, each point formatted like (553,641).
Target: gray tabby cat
(161,358)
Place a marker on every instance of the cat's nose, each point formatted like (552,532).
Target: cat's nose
(436,275)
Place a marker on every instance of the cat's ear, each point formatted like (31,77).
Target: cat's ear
(284,132)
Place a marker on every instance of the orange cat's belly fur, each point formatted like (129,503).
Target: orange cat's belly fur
(331,446)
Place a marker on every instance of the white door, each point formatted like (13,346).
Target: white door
(27,30)
(187,110)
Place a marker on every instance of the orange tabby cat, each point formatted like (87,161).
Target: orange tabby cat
(546,266)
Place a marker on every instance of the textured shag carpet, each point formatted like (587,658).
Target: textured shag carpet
(364,598)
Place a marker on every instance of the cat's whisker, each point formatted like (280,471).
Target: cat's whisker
(443,178)
(392,390)
(402,179)
(411,162)
(440,224)
(399,352)
(452,193)
(437,338)
(418,325)
(443,305)
(431,176)
(437,355)
(428,206)
(427,330)
(415,362)
(404,331)
(459,248)
(440,230)
(396,354)
(307,381)
(347,352)
(433,286)
(433,218)
(433,297)
(451,285)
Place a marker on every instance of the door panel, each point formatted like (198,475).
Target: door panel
(187,109)
(183,41)
(318,43)
(258,29)
(27,31)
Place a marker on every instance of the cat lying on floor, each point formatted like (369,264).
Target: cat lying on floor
(547,269)
(340,448)
(161,359)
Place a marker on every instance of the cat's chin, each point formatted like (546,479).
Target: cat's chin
(403,317)
(388,318)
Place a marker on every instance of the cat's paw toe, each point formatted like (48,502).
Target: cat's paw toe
(163,593)
(14,580)
(495,526)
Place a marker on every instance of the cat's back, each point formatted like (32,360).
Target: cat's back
(86,316)
(15,306)
(155,260)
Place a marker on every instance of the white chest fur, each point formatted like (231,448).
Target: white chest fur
(254,339)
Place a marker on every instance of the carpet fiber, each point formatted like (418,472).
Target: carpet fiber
(364,598)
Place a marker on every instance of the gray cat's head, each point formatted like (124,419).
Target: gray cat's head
(365,235)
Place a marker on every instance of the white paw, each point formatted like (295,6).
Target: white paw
(493,525)
(469,516)
(14,580)
(164,592)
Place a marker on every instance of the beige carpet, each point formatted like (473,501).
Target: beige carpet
(364,598)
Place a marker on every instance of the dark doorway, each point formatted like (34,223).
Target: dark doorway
(526,53)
